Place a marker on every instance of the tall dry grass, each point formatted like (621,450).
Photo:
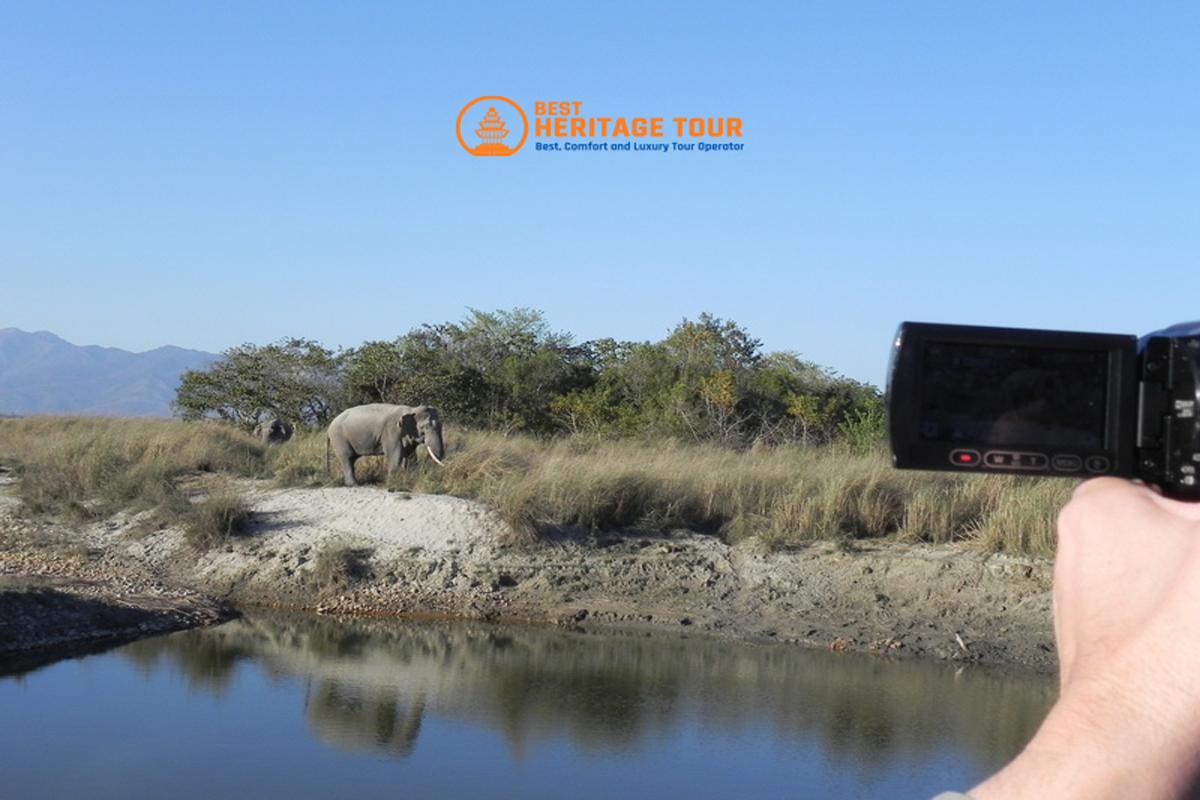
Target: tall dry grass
(91,467)
(783,496)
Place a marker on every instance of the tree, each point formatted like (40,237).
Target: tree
(811,414)
(372,371)
(500,369)
(707,379)
(711,343)
(294,379)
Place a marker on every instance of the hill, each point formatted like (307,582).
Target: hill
(40,373)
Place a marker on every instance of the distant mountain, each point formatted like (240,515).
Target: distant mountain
(43,374)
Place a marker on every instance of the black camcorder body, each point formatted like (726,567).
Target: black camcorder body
(1051,403)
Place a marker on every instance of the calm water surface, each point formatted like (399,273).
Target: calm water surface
(297,707)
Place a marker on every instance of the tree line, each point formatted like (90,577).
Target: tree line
(707,380)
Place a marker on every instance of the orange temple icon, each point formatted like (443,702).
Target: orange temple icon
(492,131)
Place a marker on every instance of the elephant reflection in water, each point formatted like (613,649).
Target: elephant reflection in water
(355,717)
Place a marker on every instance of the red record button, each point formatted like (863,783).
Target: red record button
(964,458)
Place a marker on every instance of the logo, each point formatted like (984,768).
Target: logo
(487,126)
(492,125)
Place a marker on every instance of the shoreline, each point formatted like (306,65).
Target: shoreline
(370,552)
(883,598)
(43,619)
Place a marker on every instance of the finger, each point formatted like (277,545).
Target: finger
(1125,502)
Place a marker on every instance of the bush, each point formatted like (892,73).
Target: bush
(863,428)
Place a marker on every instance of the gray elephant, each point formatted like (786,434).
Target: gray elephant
(273,431)
(382,428)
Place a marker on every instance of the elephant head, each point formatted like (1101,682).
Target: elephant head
(273,431)
(423,425)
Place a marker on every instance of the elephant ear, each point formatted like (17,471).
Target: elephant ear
(408,425)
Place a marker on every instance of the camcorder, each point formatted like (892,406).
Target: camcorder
(1052,403)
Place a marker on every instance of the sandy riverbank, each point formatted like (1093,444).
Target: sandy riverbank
(368,551)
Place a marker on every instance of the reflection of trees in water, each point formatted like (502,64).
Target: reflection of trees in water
(371,681)
(207,661)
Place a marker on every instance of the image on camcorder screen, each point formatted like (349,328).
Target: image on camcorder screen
(1013,395)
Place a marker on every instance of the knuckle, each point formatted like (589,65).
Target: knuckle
(1101,501)
(1099,486)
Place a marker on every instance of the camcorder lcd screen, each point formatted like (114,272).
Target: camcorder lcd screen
(1002,395)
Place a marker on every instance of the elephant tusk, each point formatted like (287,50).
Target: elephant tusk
(435,458)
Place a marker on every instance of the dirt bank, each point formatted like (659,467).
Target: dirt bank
(42,619)
(57,597)
(365,550)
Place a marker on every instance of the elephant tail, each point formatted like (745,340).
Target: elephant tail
(327,454)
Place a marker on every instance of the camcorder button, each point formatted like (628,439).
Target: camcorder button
(1000,458)
(1032,461)
(1067,463)
(964,458)
(1096,464)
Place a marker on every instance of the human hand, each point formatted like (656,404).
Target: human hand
(1127,622)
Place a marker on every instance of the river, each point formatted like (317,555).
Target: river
(304,706)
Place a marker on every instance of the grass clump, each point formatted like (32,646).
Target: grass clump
(1023,522)
(213,521)
(338,567)
(301,461)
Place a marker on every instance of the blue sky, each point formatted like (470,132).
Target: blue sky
(205,174)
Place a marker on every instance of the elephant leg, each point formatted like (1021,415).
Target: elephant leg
(408,457)
(346,457)
(395,460)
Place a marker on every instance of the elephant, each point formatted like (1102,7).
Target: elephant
(382,428)
(273,431)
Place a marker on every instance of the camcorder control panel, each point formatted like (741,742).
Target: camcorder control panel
(1052,403)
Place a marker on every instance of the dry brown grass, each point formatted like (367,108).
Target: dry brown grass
(339,567)
(89,468)
(215,519)
(783,496)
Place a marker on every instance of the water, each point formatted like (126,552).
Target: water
(299,706)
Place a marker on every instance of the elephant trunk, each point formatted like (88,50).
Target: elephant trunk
(433,443)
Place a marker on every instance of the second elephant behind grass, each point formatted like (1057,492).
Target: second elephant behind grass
(392,431)
(273,431)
